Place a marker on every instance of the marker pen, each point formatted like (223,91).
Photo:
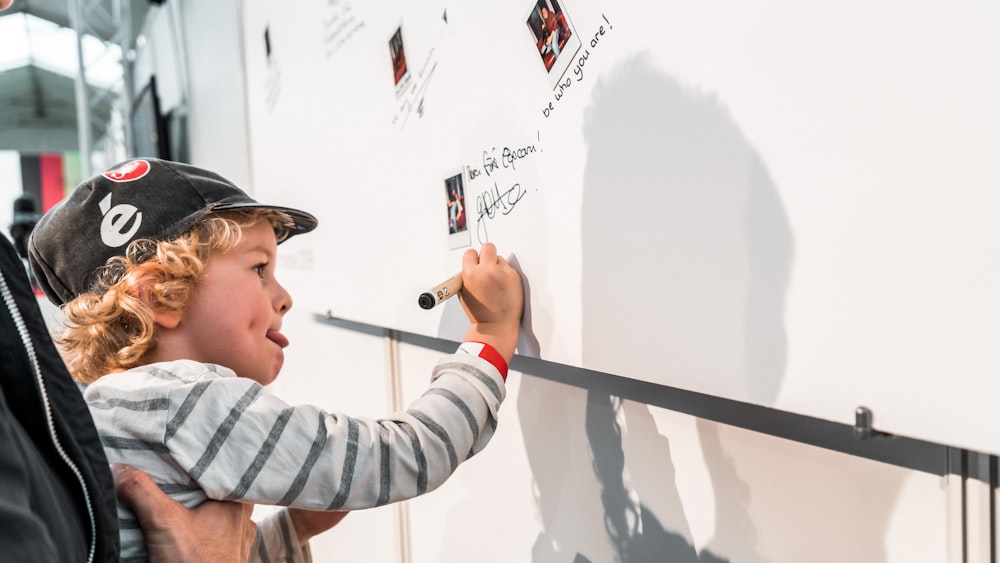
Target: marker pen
(435,295)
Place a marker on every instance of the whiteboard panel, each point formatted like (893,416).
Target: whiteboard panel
(785,204)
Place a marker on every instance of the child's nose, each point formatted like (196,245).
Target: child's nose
(283,300)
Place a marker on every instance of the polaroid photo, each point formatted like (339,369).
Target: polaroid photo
(400,74)
(414,70)
(457,210)
(553,36)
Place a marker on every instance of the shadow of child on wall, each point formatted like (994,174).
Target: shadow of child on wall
(686,256)
(635,532)
(587,510)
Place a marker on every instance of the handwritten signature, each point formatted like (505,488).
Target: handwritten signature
(493,202)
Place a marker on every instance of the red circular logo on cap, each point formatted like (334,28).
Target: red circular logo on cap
(128,172)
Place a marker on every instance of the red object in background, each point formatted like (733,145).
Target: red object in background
(53,185)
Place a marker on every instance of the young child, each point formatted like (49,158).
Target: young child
(165,273)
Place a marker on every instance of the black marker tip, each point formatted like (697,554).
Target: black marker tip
(426,301)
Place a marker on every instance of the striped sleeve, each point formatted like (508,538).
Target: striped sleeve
(238,442)
(276,541)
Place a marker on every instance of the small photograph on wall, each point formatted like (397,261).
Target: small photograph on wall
(553,37)
(400,74)
(458,224)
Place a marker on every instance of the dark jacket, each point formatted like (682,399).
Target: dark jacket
(57,497)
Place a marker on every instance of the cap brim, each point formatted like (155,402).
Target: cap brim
(302,222)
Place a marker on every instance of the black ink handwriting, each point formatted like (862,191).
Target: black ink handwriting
(561,90)
(563,85)
(578,71)
(510,156)
(489,162)
(492,202)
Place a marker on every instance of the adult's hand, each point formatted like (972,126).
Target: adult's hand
(214,531)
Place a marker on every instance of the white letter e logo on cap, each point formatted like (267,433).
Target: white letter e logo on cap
(116,219)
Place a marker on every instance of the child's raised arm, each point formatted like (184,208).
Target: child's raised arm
(493,299)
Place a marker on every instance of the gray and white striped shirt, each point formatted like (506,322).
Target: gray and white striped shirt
(202,433)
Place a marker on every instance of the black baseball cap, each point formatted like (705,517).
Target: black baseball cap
(141,198)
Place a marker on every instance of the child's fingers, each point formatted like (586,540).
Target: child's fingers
(488,254)
(469,260)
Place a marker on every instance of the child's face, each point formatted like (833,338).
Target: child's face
(234,316)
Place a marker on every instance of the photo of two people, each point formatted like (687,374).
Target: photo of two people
(553,36)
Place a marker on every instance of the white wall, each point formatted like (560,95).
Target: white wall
(753,201)
(568,470)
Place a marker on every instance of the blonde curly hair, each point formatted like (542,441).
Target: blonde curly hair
(112,328)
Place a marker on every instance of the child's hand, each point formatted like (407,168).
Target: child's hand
(493,299)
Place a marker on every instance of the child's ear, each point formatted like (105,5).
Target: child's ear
(167,318)
(163,315)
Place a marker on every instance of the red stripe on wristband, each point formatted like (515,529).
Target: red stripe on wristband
(486,352)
